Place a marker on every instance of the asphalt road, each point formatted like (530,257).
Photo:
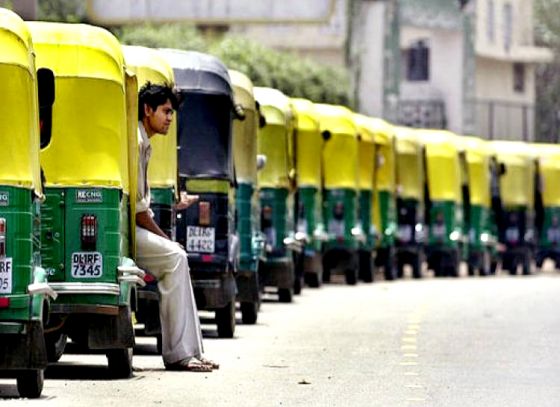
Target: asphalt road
(434,342)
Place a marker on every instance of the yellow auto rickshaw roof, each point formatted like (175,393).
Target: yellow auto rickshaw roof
(307,117)
(15,40)
(476,149)
(243,89)
(383,131)
(275,106)
(407,141)
(89,52)
(365,127)
(336,119)
(549,166)
(440,143)
(147,64)
(512,152)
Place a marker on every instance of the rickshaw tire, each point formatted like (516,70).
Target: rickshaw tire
(526,265)
(351,276)
(312,280)
(225,320)
(285,295)
(30,383)
(417,268)
(249,313)
(472,270)
(55,345)
(120,362)
(159,344)
(493,267)
(326,275)
(297,285)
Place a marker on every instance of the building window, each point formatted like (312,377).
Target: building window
(417,59)
(490,21)
(508,26)
(519,78)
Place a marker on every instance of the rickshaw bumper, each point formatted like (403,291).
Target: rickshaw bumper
(22,346)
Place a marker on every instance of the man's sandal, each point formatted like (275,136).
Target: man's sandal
(210,363)
(189,365)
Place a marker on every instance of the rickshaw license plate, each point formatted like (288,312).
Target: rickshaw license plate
(200,239)
(87,265)
(6,276)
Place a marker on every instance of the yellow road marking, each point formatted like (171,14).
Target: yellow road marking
(408,347)
(409,339)
(411,373)
(410,355)
(409,364)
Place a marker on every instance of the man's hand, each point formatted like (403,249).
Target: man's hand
(186,201)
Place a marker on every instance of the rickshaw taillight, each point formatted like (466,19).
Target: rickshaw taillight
(204,217)
(89,232)
(4,302)
(2,237)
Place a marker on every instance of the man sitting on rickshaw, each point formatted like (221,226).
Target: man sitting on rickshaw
(163,258)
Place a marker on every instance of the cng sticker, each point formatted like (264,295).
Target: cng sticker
(4,198)
(89,196)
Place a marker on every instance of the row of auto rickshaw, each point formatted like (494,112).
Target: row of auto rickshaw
(291,193)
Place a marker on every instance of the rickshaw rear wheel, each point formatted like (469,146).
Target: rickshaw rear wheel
(55,344)
(249,312)
(417,267)
(225,320)
(526,265)
(159,344)
(298,283)
(120,362)
(351,276)
(312,280)
(30,383)
(285,295)
(366,266)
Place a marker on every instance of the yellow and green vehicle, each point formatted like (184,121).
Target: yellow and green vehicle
(276,192)
(409,239)
(247,206)
(547,211)
(444,203)
(340,192)
(517,190)
(384,208)
(149,66)
(205,162)
(366,176)
(24,293)
(88,155)
(308,217)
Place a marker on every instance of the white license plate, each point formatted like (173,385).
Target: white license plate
(6,276)
(87,265)
(200,240)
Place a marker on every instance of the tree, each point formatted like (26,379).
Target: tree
(72,11)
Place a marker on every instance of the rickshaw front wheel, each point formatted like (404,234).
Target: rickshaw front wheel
(30,383)
(120,362)
(55,344)
(249,312)
(225,320)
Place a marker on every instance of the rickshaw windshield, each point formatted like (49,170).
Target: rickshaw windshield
(309,143)
(88,145)
(245,129)
(18,116)
(205,115)
(516,185)
(149,65)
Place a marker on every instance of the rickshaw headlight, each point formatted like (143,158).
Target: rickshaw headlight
(454,235)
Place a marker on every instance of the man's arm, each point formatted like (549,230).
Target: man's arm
(144,220)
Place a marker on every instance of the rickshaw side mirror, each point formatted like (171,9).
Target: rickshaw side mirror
(261,161)
(502,169)
(326,135)
(239,112)
(45,81)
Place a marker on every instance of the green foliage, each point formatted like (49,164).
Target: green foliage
(290,73)
(71,11)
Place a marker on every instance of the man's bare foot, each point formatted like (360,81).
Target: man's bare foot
(211,363)
(189,365)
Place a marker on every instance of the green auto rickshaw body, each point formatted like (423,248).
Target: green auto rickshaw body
(247,206)
(366,184)
(24,293)
(444,210)
(205,162)
(409,239)
(547,204)
(276,191)
(340,192)
(384,204)
(307,211)
(517,188)
(89,142)
(149,66)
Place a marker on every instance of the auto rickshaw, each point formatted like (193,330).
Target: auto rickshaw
(478,217)
(149,66)
(207,228)
(247,208)
(366,192)
(547,204)
(88,155)
(409,242)
(384,208)
(308,217)
(276,192)
(443,203)
(516,226)
(24,292)
(340,189)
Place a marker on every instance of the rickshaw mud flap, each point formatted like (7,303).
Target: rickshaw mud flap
(111,332)
(26,350)
(214,293)
(277,273)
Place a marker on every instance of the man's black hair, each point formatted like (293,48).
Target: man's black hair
(155,95)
